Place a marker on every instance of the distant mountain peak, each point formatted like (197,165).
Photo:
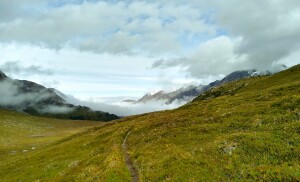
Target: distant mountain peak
(186,94)
(239,74)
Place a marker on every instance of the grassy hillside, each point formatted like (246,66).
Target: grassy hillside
(21,133)
(244,131)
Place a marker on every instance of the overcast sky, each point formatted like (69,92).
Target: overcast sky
(111,48)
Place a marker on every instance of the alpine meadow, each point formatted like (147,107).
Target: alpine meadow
(149,91)
(242,131)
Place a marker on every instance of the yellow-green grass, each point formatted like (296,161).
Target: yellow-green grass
(93,155)
(21,133)
(244,131)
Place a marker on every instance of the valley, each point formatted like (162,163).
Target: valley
(149,91)
(246,130)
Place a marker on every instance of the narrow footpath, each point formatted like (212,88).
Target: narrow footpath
(133,171)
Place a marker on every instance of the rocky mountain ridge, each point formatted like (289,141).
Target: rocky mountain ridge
(187,94)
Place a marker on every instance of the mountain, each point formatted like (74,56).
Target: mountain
(59,93)
(167,97)
(32,98)
(235,76)
(248,130)
(2,76)
(187,94)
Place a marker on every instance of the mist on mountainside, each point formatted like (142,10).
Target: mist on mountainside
(15,95)
(125,109)
(32,98)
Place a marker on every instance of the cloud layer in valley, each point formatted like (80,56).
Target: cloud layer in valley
(116,106)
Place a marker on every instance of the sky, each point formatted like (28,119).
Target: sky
(92,49)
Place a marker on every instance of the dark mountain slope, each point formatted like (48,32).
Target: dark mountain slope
(35,99)
(2,76)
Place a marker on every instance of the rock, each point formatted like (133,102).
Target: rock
(228,148)
(73,164)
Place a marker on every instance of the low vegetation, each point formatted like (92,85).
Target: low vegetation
(76,113)
(22,133)
(243,131)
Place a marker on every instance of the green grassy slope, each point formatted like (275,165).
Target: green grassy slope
(21,133)
(244,131)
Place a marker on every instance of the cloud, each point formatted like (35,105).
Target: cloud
(86,74)
(269,29)
(120,27)
(209,58)
(256,35)
(16,68)
(14,9)
(122,109)
(198,39)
